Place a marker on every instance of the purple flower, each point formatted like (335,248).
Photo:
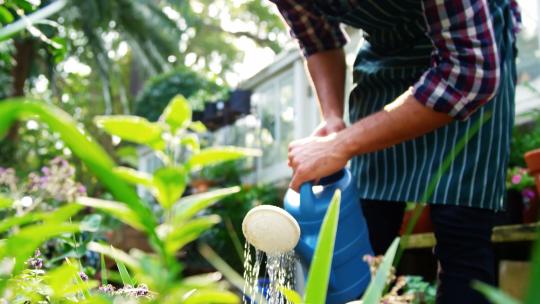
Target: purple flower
(528,193)
(81,189)
(106,288)
(45,170)
(83,276)
(516,179)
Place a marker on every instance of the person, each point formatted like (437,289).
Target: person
(426,73)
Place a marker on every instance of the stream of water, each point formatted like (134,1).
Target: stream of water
(280,270)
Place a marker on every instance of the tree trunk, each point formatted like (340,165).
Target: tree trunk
(24,51)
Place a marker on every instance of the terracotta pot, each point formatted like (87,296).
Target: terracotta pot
(201,185)
(532,158)
(423,224)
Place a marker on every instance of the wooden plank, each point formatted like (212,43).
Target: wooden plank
(501,234)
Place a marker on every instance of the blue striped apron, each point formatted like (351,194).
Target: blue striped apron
(395,54)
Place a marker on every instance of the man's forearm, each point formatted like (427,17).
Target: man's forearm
(402,120)
(327,71)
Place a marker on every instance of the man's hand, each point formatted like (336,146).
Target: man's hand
(315,157)
(329,126)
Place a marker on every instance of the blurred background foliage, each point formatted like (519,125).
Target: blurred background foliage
(96,57)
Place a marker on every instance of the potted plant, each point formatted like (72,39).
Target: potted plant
(522,203)
(532,158)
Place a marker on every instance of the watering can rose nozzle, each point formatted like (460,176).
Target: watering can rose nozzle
(271,229)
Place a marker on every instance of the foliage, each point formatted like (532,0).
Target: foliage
(179,224)
(524,139)
(403,289)
(317,281)
(159,90)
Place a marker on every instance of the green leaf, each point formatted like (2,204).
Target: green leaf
(91,223)
(291,295)
(133,176)
(202,280)
(103,268)
(215,155)
(128,155)
(189,206)
(494,295)
(115,254)
(61,214)
(116,209)
(180,235)
(319,274)
(177,114)
(207,296)
(132,128)
(124,274)
(5,202)
(191,141)
(5,15)
(169,185)
(197,127)
(375,289)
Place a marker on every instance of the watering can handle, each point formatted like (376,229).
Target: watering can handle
(307,198)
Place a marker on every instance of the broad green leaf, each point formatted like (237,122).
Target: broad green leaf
(215,155)
(124,274)
(82,146)
(62,214)
(5,202)
(180,235)
(97,298)
(494,295)
(91,223)
(188,206)
(128,155)
(133,176)
(5,15)
(191,141)
(208,296)
(377,285)
(177,114)
(319,274)
(115,254)
(197,127)
(132,128)
(169,185)
(291,295)
(202,280)
(103,268)
(59,215)
(116,209)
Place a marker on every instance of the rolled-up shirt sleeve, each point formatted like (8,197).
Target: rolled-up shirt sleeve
(313,31)
(465,71)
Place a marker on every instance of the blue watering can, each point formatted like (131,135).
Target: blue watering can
(350,275)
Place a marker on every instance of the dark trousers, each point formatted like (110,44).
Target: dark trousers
(463,250)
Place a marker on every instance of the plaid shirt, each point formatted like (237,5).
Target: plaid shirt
(465,69)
